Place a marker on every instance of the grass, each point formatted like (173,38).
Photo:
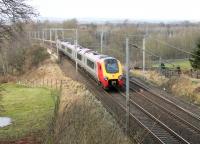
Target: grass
(30,109)
(83,120)
(184,64)
(185,88)
(182,86)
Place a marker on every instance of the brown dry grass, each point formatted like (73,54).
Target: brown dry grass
(83,120)
(151,77)
(81,117)
(183,86)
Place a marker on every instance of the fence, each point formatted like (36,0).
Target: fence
(177,72)
(170,72)
(50,83)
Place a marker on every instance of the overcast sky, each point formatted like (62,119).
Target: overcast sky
(120,9)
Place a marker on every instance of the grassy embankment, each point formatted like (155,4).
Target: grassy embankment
(81,118)
(183,86)
(31,111)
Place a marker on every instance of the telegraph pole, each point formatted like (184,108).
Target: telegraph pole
(57,42)
(29,35)
(160,61)
(38,35)
(127,86)
(50,36)
(102,39)
(76,45)
(143,54)
(63,34)
(43,36)
(35,34)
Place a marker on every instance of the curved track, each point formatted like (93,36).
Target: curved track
(154,130)
(147,123)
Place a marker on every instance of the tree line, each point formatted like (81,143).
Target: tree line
(15,19)
(159,36)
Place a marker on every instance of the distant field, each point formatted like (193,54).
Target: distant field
(184,64)
(29,108)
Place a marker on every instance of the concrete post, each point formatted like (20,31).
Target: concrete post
(76,44)
(127,86)
(143,55)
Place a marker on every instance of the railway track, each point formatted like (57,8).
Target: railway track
(116,106)
(162,132)
(152,130)
(156,128)
(181,112)
(190,108)
(184,123)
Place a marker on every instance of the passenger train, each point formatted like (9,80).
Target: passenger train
(106,70)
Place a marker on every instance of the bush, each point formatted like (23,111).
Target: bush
(195,60)
(39,54)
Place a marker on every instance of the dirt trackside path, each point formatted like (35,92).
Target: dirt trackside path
(81,117)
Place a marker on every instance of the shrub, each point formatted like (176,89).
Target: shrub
(39,54)
(195,60)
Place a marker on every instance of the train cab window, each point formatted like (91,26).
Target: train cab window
(111,66)
(63,47)
(90,63)
(79,56)
(69,50)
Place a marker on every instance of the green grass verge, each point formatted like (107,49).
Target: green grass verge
(31,110)
(184,64)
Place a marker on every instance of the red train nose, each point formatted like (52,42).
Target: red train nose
(120,82)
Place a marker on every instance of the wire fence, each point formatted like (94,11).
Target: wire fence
(50,83)
(177,72)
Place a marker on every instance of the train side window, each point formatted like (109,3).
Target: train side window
(63,47)
(90,63)
(79,57)
(69,50)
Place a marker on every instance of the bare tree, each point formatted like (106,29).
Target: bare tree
(13,15)
(12,12)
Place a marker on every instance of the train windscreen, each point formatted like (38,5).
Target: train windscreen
(111,66)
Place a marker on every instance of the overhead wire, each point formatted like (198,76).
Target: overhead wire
(174,47)
(151,53)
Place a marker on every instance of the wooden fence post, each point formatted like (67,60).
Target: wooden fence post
(61,82)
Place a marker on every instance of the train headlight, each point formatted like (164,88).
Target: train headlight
(120,77)
(105,78)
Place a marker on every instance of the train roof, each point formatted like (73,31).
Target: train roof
(65,43)
(97,56)
(89,53)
